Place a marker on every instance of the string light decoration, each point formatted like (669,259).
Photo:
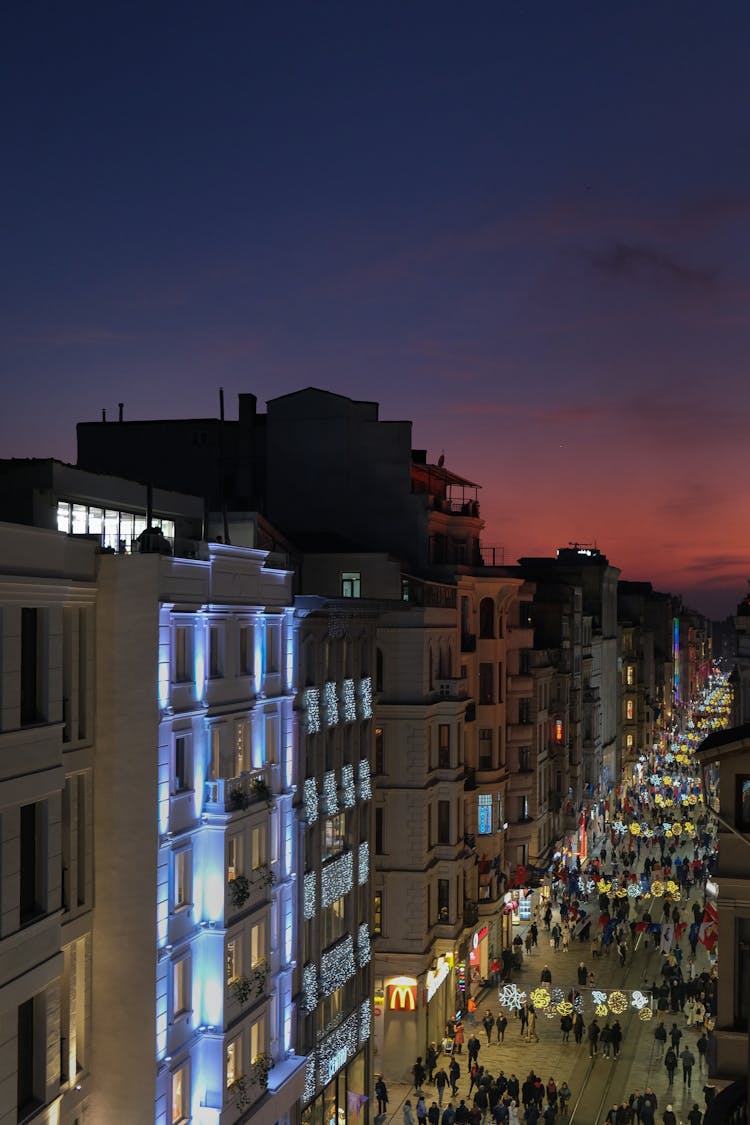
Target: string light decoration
(601,1010)
(565,1008)
(363,864)
(578,1004)
(364,950)
(365,783)
(365,1021)
(309,1091)
(365,698)
(348,792)
(350,702)
(557,996)
(308,895)
(540,998)
(310,799)
(331,703)
(337,966)
(337,878)
(645,1014)
(330,796)
(309,988)
(336,1049)
(510,996)
(618,1002)
(638,1000)
(312,710)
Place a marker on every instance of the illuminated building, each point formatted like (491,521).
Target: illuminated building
(47,734)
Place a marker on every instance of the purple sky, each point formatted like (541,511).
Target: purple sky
(524,226)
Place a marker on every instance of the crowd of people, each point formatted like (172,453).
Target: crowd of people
(616,882)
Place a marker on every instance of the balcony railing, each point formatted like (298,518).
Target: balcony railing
(230,794)
(471,914)
(492,556)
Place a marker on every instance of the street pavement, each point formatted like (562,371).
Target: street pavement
(596,1084)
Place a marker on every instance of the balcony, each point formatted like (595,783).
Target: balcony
(451,687)
(471,914)
(233,794)
(520,684)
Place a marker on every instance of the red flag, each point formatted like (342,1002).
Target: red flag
(708,934)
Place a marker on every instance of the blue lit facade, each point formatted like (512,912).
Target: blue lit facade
(226,888)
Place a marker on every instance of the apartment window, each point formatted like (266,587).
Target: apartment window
(25,1096)
(351,584)
(523,808)
(500,747)
(484,814)
(444,822)
(485,749)
(486,683)
(214,763)
(486,618)
(234,857)
(182,775)
(272,740)
(181,654)
(234,1060)
(29,666)
(31,858)
(742,813)
(522,854)
(558,730)
(443,899)
(273,645)
(182,879)
(524,711)
(258,1039)
(180,987)
(215,662)
(257,944)
(500,682)
(629,709)
(524,614)
(234,958)
(333,922)
(630,675)
(524,758)
(379,752)
(242,744)
(444,746)
(524,662)
(379,814)
(377,914)
(334,836)
(246,651)
(742,973)
(181,1095)
(629,741)
(257,848)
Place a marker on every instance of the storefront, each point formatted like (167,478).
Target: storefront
(479,959)
(438,997)
(343,1101)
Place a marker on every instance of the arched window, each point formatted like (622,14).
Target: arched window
(486,618)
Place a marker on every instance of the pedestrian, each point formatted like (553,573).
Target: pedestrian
(613,1115)
(482,1103)
(531,1032)
(433,1114)
(408,1113)
(458,1038)
(565,937)
(421,1110)
(668,1117)
(551,1091)
(566,1024)
(546,975)
(606,1040)
(675,1035)
(695,1117)
(670,1063)
(488,1023)
(500,1024)
(431,1061)
(441,1081)
(381,1093)
(564,1094)
(449,1115)
(578,1028)
(475,1074)
(462,1113)
(593,1039)
(583,974)
(547,917)
(688,1062)
(419,1073)
(523,1015)
(534,934)
(528,942)
(616,1038)
(660,1035)
(473,1047)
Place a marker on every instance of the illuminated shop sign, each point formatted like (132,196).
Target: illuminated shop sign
(402,997)
(435,977)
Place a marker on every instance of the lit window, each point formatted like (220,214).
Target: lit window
(272,740)
(234,958)
(214,765)
(334,836)
(182,775)
(377,914)
(258,848)
(629,709)
(180,987)
(234,1061)
(257,1040)
(234,857)
(258,943)
(241,747)
(63,516)
(558,730)
(351,584)
(182,879)
(629,741)
(180,1095)
(630,675)
(484,813)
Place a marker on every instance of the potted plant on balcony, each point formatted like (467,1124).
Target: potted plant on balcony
(263,876)
(259,1069)
(260,978)
(243,988)
(260,790)
(239,1091)
(239,891)
(239,798)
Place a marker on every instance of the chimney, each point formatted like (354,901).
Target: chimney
(120,407)
(104,415)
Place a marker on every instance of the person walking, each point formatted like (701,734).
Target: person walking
(531,1032)
(660,1035)
(458,1038)
(616,1038)
(421,1110)
(408,1113)
(381,1093)
(702,1046)
(688,1062)
(473,1047)
(454,1073)
(564,1094)
(433,1114)
(593,1039)
(583,973)
(419,1073)
(566,1025)
(556,935)
(695,1117)
(546,975)
(668,1117)
(431,1061)
(578,1028)
(488,1023)
(441,1081)
(675,1035)
(606,1040)
(500,1024)
(523,1015)
(670,1063)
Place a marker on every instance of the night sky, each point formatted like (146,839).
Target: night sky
(526,227)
